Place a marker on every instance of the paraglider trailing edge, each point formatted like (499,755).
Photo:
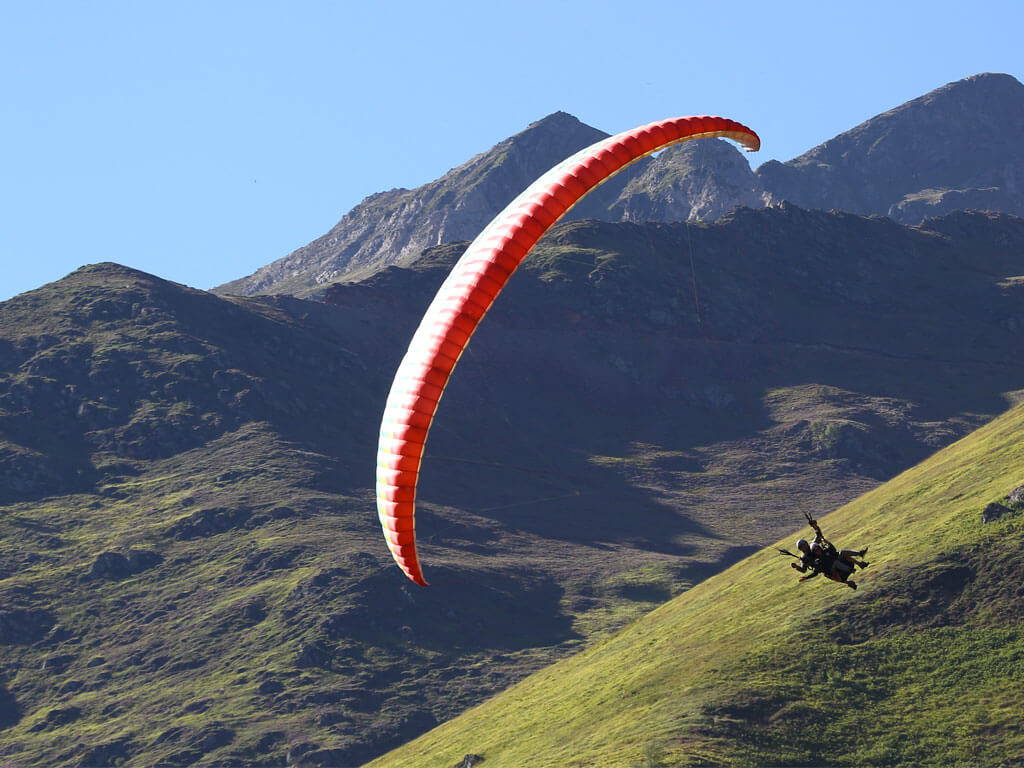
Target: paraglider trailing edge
(468,293)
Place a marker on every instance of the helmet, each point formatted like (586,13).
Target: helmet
(801,543)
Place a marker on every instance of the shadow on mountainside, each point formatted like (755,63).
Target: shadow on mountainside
(644,406)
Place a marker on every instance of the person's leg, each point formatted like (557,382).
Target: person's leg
(850,556)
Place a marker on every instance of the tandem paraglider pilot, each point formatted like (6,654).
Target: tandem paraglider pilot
(821,556)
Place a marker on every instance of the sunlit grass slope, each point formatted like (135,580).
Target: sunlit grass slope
(921,665)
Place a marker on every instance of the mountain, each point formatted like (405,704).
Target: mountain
(951,149)
(918,666)
(700,180)
(956,147)
(190,565)
(394,227)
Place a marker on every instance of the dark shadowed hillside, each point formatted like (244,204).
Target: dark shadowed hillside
(190,565)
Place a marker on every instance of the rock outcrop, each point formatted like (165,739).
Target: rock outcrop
(394,227)
(956,147)
(700,180)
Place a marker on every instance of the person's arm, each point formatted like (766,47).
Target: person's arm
(819,538)
(811,575)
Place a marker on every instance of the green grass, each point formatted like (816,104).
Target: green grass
(917,667)
(132,405)
(160,658)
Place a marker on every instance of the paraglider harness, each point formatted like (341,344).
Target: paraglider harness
(826,560)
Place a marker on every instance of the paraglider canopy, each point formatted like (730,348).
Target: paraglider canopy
(470,290)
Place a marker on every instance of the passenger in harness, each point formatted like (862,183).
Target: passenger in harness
(821,556)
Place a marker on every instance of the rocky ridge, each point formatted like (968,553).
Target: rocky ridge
(951,149)
(954,148)
(394,227)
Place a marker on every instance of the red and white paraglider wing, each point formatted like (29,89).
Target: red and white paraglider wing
(467,294)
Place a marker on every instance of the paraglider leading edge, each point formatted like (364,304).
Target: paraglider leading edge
(468,293)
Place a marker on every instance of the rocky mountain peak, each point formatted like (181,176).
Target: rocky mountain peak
(949,149)
(952,149)
(694,180)
(395,227)
(558,121)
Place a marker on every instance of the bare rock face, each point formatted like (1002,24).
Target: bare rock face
(1016,497)
(993,512)
(956,147)
(697,180)
(114,566)
(395,227)
(952,149)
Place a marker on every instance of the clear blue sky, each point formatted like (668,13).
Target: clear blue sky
(201,140)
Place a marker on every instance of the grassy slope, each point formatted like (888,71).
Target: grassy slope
(273,632)
(175,655)
(916,667)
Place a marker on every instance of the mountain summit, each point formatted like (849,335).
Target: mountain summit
(394,227)
(948,150)
(956,147)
